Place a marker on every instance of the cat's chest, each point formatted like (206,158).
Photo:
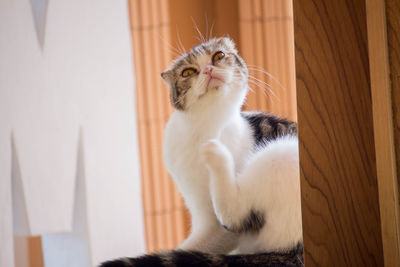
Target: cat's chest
(182,152)
(182,148)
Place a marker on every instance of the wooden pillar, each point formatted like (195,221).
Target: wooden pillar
(393,34)
(338,160)
(383,129)
(393,38)
(35,251)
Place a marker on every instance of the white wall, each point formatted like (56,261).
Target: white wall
(75,77)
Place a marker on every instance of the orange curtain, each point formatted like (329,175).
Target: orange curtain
(267,42)
(263,31)
(164,211)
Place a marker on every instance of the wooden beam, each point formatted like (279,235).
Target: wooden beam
(35,251)
(393,36)
(340,200)
(383,130)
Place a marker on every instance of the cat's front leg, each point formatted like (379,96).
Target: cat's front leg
(231,204)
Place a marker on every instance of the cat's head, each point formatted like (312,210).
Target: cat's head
(211,70)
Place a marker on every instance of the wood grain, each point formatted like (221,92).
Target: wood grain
(340,202)
(383,130)
(393,36)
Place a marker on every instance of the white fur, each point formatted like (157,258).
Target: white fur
(269,183)
(184,135)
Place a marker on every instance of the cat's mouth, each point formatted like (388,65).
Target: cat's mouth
(214,82)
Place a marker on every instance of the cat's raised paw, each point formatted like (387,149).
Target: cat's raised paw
(214,153)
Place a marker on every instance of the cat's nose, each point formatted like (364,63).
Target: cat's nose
(207,70)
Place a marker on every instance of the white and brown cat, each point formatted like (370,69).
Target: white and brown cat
(237,171)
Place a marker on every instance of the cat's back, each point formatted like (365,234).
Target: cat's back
(267,127)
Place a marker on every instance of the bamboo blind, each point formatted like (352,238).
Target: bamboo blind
(266,38)
(164,210)
(263,31)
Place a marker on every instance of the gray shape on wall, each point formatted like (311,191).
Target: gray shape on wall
(19,211)
(39,12)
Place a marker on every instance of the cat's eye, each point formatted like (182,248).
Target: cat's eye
(188,72)
(218,56)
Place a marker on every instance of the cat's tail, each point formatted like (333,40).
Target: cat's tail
(180,258)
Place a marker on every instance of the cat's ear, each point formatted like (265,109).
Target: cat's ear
(227,41)
(167,76)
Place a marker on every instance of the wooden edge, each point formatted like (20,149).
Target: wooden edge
(383,130)
(35,251)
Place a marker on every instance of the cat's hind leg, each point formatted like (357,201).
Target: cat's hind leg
(231,205)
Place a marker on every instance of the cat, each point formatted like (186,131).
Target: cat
(237,171)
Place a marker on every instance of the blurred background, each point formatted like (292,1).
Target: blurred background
(82,113)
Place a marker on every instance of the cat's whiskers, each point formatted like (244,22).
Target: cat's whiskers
(211,30)
(177,101)
(256,68)
(197,29)
(250,88)
(263,85)
(302,263)
(266,91)
(209,33)
(267,85)
(173,50)
(205,15)
(180,45)
(260,81)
